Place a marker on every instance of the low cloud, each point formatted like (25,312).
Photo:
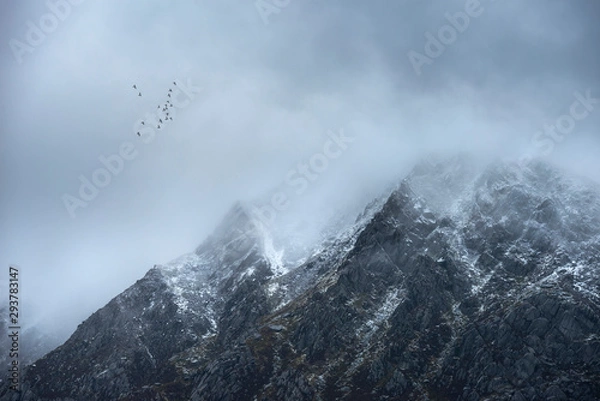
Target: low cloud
(271,92)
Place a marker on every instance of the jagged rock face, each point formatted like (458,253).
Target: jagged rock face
(486,289)
(123,346)
(33,344)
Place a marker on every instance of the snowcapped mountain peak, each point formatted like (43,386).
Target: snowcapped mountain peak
(442,181)
(240,233)
(455,268)
(235,226)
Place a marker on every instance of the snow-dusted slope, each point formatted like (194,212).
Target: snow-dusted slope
(463,283)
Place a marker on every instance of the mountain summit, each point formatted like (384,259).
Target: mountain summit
(463,283)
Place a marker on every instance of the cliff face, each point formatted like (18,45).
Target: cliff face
(460,285)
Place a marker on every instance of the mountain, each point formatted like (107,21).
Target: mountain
(463,283)
(33,343)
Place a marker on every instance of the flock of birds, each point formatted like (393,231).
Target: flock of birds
(165,107)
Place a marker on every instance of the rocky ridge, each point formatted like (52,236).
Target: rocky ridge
(462,284)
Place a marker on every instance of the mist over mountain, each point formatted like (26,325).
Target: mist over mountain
(466,281)
(319,200)
(273,90)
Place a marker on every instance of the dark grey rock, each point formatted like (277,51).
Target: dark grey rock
(460,285)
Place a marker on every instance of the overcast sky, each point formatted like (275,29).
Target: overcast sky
(275,87)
